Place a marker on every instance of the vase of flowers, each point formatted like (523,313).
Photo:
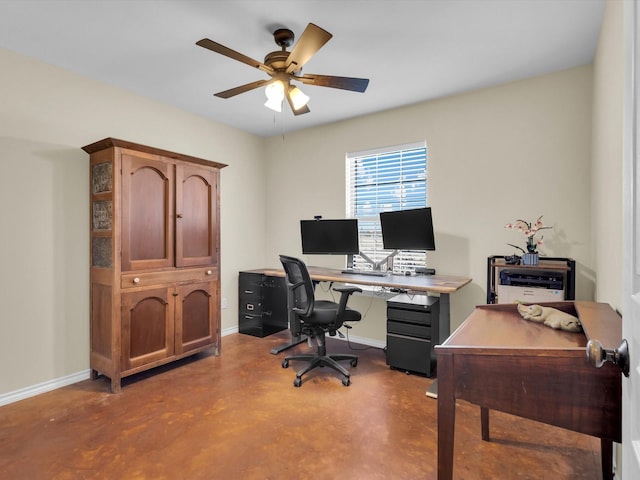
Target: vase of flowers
(530,230)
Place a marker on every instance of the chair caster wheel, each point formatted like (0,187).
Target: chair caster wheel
(285,363)
(297,382)
(346,381)
(354,362)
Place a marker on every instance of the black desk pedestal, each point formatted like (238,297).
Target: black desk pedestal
(413,329)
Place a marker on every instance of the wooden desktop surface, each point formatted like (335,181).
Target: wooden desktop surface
(444,284)
(500,361)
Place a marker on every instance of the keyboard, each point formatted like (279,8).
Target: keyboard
(370,273)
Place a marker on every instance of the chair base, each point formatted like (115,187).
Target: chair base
(322,361)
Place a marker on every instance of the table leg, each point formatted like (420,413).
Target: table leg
(484,421)
(446,417)
(444,330)
(445,318)
(606,456)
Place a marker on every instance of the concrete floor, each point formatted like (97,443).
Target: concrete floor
(238,416)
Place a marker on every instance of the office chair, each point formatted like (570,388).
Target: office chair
(316,318)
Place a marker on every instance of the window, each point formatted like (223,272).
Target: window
(381,180)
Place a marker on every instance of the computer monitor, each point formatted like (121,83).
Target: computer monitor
(407,229)
(330,237)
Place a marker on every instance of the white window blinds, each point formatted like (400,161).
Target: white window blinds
(382,180)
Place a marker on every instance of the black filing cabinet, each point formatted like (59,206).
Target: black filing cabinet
(263,304)
(412,332)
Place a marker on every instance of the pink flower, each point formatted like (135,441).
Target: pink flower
(530,229)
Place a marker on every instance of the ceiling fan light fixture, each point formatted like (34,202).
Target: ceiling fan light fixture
(275,95)
(298,98)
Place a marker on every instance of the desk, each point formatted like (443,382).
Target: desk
(500,361)
(441,284)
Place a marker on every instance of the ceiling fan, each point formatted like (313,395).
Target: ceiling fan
(283,67)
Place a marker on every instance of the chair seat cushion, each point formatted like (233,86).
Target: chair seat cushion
(324,313)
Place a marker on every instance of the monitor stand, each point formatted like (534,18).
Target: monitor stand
(377,266)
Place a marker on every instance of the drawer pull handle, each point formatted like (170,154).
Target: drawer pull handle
(248,291)
(209,272)
(136,280)
(249,307)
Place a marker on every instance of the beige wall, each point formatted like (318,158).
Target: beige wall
(47,115)
(606,167)
(518,150)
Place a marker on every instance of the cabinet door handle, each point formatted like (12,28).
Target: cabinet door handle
(136,280)
(209,272)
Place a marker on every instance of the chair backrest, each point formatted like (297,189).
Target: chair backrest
(300,286)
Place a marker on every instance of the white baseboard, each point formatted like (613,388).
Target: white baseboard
(229,331)
(32,391)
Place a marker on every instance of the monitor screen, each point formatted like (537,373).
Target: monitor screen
(407,229)
(330,237)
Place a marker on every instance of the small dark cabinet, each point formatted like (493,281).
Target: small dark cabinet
(262,310)
(412,332)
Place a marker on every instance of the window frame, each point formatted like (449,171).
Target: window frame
(401,187)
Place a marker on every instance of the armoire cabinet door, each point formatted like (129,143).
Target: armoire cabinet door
(195,316)
(196,216)
(147,206)
(147,326)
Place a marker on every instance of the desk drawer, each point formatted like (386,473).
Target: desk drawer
(409,329)
(409,354)
(412,316)
(251,304)
(250,324)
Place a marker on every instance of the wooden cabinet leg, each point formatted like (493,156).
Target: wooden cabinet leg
(115,385)
(484,421)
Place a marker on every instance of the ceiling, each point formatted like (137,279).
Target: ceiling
(411,50)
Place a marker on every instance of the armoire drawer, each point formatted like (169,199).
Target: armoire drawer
(184,275)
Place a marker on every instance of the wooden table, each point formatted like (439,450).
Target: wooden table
(444,285)
(500,361)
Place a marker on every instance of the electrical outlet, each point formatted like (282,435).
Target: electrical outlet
(224,302)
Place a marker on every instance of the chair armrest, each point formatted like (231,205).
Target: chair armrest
(349,289)
(345,293)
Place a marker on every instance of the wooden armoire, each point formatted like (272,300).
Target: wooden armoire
(155,257)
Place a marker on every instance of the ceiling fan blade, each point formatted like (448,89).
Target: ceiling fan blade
(311,40)
(301,110)
(344,83)
(227,52)
(241,89)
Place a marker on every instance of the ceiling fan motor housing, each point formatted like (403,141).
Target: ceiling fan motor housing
(277,60)
(283,37)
